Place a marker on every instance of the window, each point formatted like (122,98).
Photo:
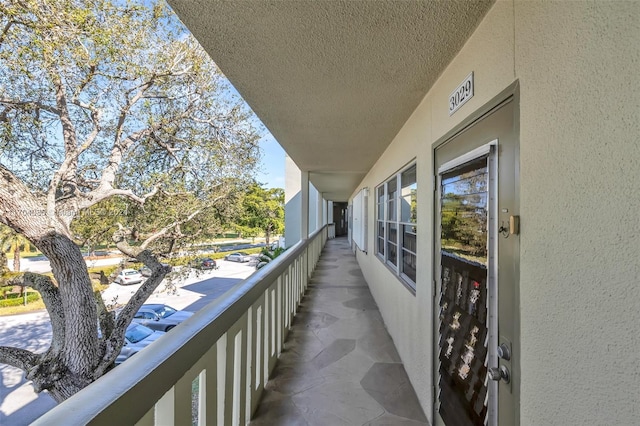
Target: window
(396,217)
(380,228)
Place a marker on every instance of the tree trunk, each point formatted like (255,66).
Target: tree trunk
(16,258)
(267,234)
(79,352)
(3,263)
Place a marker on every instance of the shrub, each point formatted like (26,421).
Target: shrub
(14,299)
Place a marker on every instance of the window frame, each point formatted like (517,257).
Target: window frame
(386,221)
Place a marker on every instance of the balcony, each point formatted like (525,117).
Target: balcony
(334,363)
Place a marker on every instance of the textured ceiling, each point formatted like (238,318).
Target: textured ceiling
(333,81)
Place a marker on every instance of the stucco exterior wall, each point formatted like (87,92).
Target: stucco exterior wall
(577,65)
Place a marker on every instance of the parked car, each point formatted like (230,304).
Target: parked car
(160,317)
(204,263)
(136,338)
(129,276)
(238,257)
(145,271)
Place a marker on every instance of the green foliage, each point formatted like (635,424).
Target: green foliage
(272,254)
(11,241)
(95,225)
(262,212)
(267,256)
(15,299)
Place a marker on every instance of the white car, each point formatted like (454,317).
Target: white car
(129,276)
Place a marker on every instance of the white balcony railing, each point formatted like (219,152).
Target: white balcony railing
(211,369)
(331,231)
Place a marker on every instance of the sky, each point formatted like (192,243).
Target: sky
(271,169)
(272,173)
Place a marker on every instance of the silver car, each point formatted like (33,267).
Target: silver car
(136,338)
(238,257)
(160,317)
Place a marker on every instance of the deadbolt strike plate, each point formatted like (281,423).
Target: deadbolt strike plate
(514,225)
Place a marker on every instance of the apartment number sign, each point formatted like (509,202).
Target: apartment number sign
(461,95)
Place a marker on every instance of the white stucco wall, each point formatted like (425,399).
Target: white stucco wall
(577,64)
(580,199)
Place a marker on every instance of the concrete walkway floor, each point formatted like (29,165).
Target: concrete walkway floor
(339,365)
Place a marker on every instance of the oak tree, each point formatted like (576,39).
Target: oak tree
(102,101)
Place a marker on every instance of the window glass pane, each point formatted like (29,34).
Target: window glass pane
(409,238)
(392,191)
(381,211)
(464,213)
(392,238)
(380,194)
(408,200)
(391,209)
(409,176)
(409,265)
(392,252)
(392,187)
(409,250)
(381,236)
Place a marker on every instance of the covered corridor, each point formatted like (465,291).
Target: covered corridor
(339,365)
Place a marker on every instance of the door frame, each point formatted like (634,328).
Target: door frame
(510,94)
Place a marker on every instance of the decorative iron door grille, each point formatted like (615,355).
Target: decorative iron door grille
(463,333)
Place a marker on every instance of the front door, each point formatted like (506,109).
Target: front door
(477,227)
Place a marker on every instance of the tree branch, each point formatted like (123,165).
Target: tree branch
(142,88)
(158,271)
(105,317)
(102,193)
(161,233)
(16,357)
(30,104)
(19,208)
(5,31)
(68,166)
(86,80)
(51,298)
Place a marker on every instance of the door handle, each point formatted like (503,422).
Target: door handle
(499,373)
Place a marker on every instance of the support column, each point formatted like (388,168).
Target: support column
(319,215)
(293,203)
(304,211)
(325,211)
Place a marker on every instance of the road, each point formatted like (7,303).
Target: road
(20,405)
(41,265)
